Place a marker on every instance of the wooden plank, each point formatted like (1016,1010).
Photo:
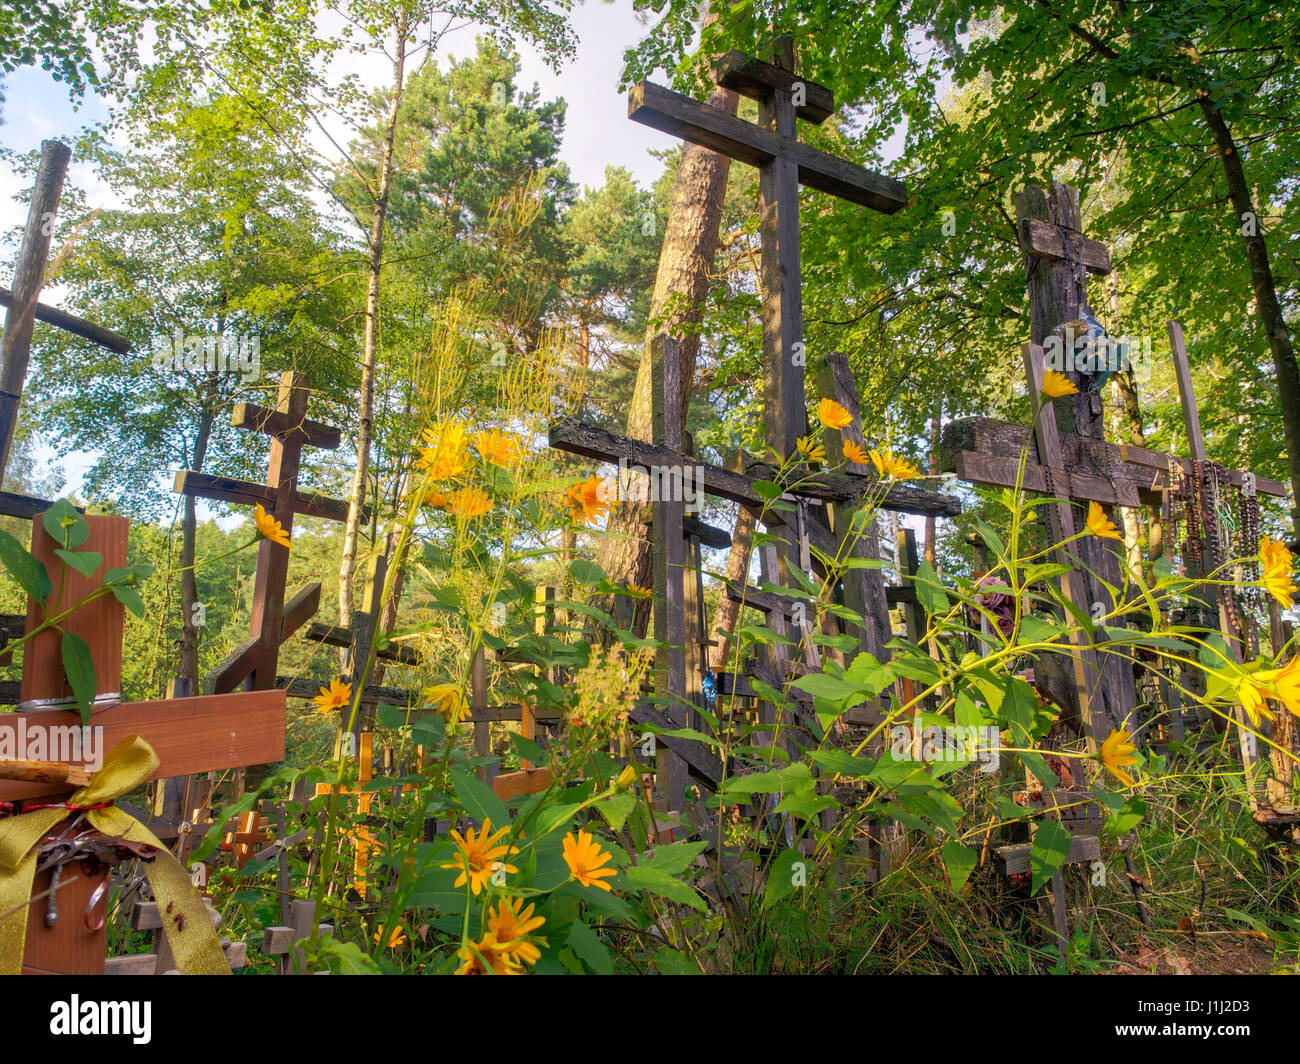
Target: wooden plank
(670,112)
(668,552)
(202,734)
(299,609)
(1084,849)
(698,758)
(22,506)
(28,279)
(529,781)
(592,441)
(277,423)
(1136,468)
(756,79)
(1038,237)
(331,635)
(246,493)
(716,538)
(982,468)
(70,323)
(234,669)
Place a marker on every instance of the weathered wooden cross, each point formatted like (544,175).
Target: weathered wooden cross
(25,309)
(253,662)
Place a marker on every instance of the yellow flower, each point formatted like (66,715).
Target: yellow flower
(269,527)
(435,498)
(486,958)
(337,695)
(889,464)
(448,700)
(498,448)
(627,777)
(1056,385)
(636,591)
(1118,751)
(587,499)
(469,503)
(1251,693)
(1278,580)
(832,415)
(1099,524)
(811,449)
(395,941)
(509,925)
(1287,685)
(584,857)
(447,454)
(854,453)
(480,855)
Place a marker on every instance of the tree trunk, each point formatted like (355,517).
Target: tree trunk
(1266,302)
(370,345)
(189,665)
(685,270)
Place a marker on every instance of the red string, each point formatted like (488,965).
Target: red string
(67,805)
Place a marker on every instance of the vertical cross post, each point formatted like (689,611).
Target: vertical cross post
(669,554)
(29,278)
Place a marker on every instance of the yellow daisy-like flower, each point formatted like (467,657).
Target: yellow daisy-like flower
(395,941)
(1117,752)
(448,700)
(435,498)
(584,857)
(811,449)
(1278,580)
(1287,685)
(469,503)
(269,527)
(337,695)
(636,591)
(1251,692)
(587,499)
(832,415)
(854,453)
(498,448)
(627,777)
(447,455)
(1099,524)
(486,957)
(889,464)
(509,925)
(480,855)
(1056,385)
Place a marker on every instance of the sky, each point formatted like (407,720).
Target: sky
(597,134)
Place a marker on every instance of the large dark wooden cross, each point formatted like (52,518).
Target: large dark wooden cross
(784,164)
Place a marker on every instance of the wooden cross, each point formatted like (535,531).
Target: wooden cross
(362,838)
(189,735)
(784,164)
(253,662)
(25,309)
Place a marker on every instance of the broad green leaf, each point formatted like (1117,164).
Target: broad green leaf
(674,859)
(588,947)
(84,562)
(616,809)
(658,882)
(29,573)
(783,878)
(80,671)
(929,590)
(959,862)
(1050,848)
(65,526)
(479,801)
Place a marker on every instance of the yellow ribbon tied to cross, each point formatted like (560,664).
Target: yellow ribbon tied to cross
(132,761)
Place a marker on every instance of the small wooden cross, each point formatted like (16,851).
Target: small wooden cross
(253,662)
(362,838)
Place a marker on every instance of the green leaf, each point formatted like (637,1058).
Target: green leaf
(1050,848)
(670,962)
(129,597)
(29,573)
(805,804)
(586,572)
(588,947)
(929,590)
(616,809)
(782,877)
(822,685)
(85,562)
(65,526)
(959,862)
(767,489)
(658,882)
(478,799)
(80,671)
(676,858)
